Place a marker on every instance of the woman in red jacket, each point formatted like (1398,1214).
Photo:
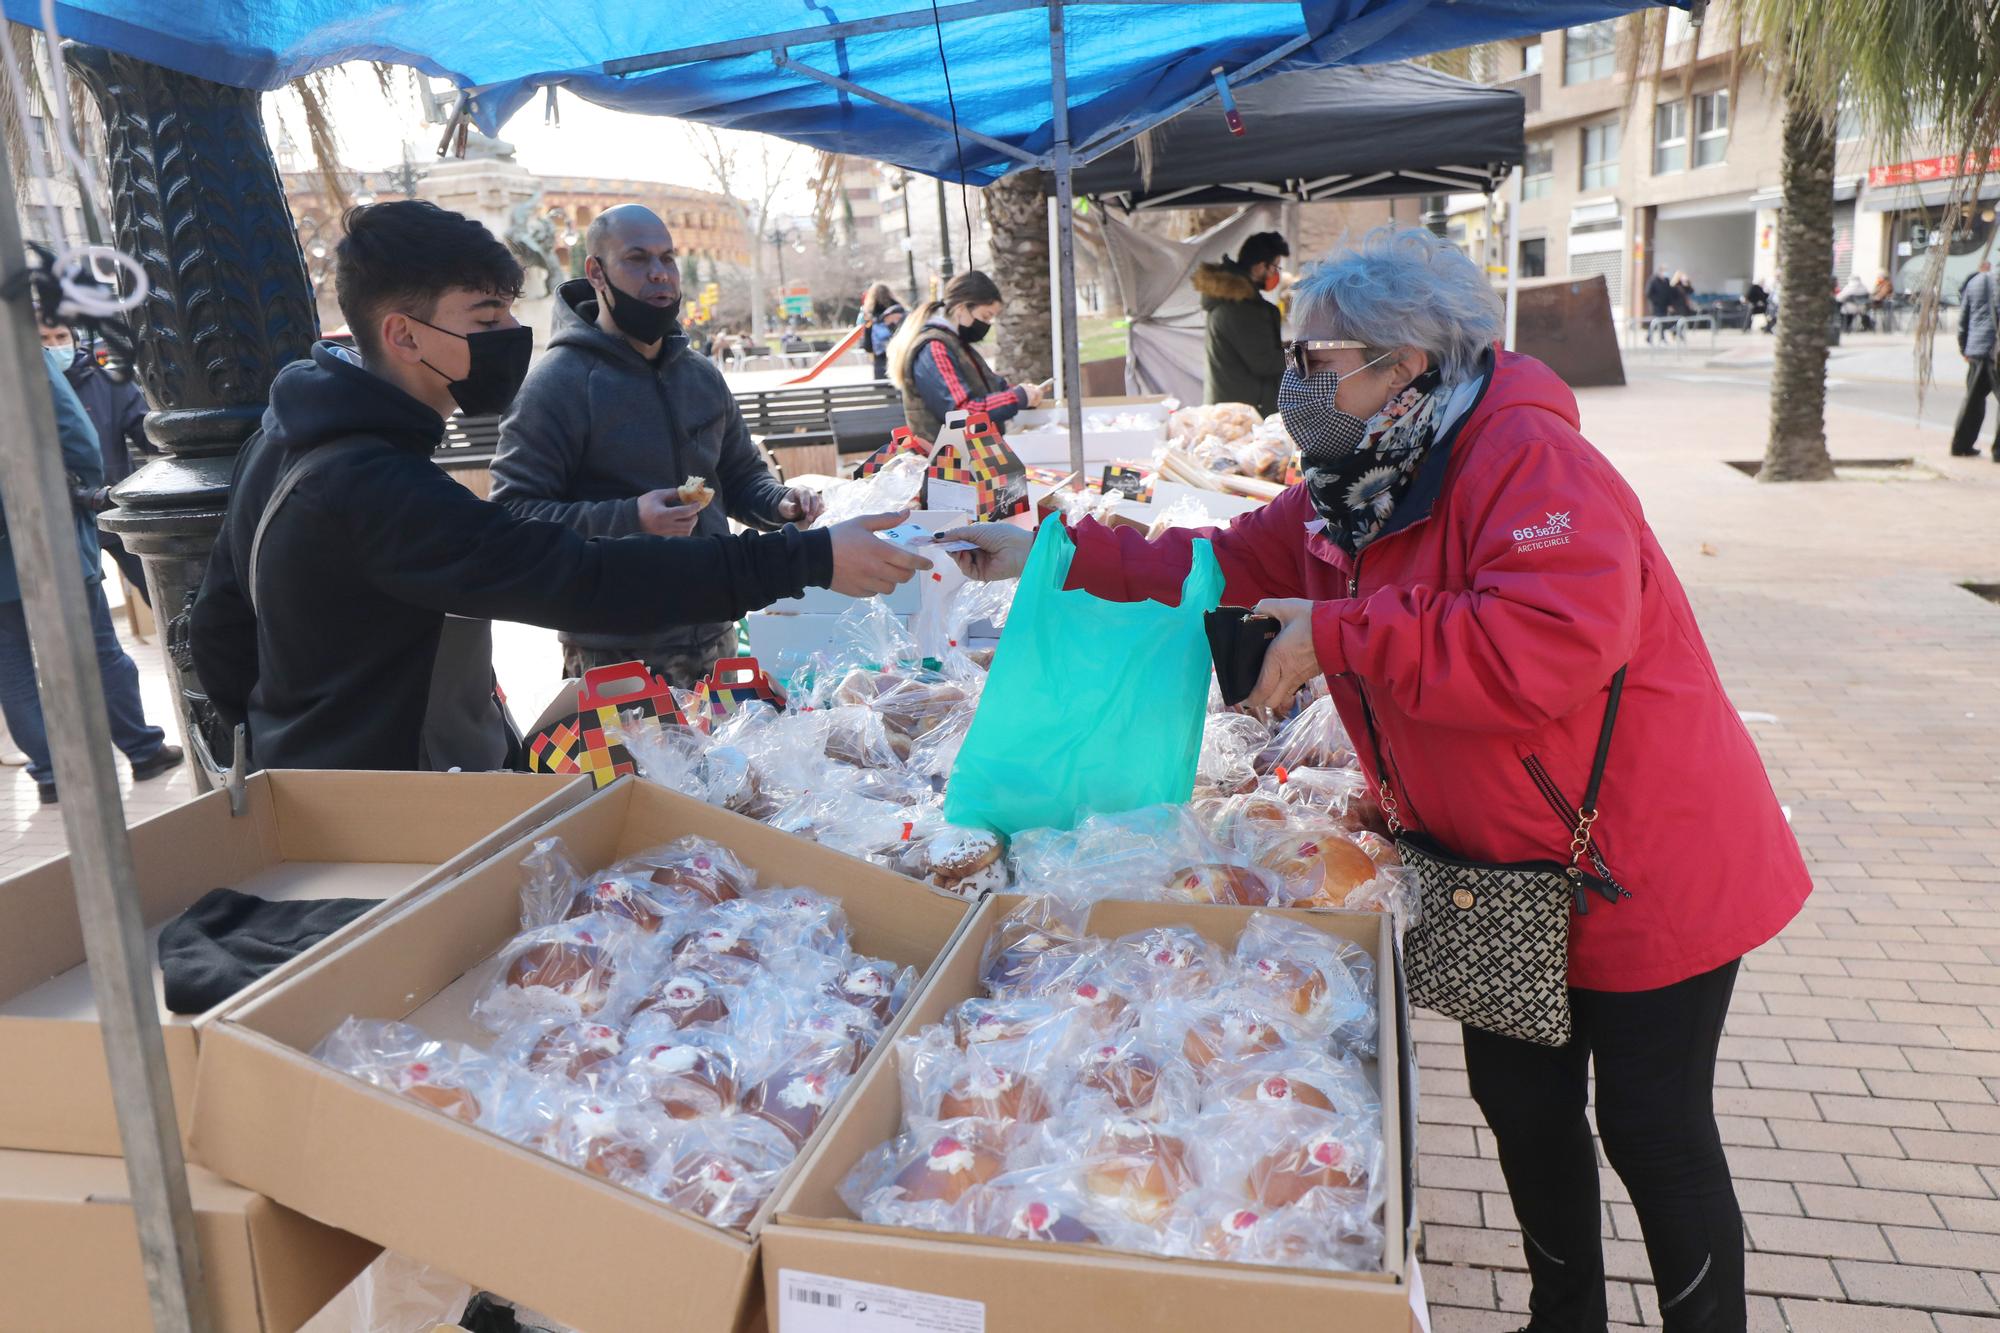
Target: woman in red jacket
(1460,556)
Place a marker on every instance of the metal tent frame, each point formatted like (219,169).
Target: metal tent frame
(1060,160)
(38,516)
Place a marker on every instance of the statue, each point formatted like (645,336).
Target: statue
(532,237)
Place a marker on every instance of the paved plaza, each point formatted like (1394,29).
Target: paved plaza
(1860,1082)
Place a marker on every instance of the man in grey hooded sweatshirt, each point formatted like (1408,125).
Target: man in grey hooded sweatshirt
(617,415)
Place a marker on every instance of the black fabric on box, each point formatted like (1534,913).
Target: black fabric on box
(486,1314)
(229,939)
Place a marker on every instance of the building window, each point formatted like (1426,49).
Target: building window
(1531,58)
(1711,128)
(1538,169)
(1590,52)
(1534,259)
(1670,137)
(1601,144)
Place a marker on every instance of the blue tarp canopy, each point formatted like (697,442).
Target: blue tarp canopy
(1130,63)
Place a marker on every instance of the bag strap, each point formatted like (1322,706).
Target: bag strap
(1586,815)
(297,471)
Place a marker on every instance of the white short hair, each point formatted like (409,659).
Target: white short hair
(1403,287)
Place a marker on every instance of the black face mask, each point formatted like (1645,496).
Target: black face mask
(641,319)
(497,364)
(976,331)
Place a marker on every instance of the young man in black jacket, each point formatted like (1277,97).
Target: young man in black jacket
(322,616)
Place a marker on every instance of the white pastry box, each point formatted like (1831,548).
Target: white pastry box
(818,1252)
(1039,436)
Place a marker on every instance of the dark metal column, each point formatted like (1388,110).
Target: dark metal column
(196,199)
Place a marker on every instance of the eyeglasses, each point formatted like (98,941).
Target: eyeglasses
(1297,352)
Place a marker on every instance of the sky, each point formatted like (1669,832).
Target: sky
(590,141)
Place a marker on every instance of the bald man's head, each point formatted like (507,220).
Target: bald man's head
(631,258)
(614,228)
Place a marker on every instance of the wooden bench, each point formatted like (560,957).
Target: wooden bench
(863,430)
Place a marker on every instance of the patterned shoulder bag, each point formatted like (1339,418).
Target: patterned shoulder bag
(1490,943)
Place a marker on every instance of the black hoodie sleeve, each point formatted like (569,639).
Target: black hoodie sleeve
(749,491)
(223,629)
(422,538)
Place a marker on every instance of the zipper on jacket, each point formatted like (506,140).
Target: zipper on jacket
(1568,813)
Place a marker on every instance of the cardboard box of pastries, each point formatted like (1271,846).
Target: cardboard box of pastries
(69,1250)
(301,835)
(818,1251)
(561,1238)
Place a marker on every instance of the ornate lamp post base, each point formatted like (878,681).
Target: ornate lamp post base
(196,199)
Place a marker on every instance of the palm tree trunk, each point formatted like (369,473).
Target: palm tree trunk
(1796,449)
(1017,209)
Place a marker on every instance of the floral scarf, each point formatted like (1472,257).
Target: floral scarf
(1357,492)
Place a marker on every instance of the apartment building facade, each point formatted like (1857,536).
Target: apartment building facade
(1630,174)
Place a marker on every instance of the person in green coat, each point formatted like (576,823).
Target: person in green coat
(1246,356)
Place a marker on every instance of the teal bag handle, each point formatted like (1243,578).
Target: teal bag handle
(1091,705)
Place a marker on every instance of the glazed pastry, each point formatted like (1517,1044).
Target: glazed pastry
(1232,885)
(1236,1033)
(993,1093)
(715,1186)
(579,971)
(967,862)
(1327,868)
(1042,1219)
(1298,986)
(696,491)
(619,898)
(684,999)
(1137,1169)
(419,1081)
(1129,1079)
(712,942)
(795,1100)
(576,1051)
(952,1165)
(871,988)
(1284,1090)
(687,1081)
(1284,1177)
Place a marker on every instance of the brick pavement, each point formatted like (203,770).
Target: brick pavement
(1860,1077)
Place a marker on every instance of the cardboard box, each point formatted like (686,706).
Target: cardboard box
(1035,444)
(970,1284)
(532,1229)
(301,835)
(69,1251)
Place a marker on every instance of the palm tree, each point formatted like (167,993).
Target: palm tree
(1017,209)
(1795,450)
(1912,71)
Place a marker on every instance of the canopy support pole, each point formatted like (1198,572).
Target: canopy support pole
(43,531)
(1055,307)
(1513,255)
(1065,293)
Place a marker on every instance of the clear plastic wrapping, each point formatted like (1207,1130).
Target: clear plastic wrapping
(1152,1093)
(449,1077)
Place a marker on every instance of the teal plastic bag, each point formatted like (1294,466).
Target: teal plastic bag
(1091,706)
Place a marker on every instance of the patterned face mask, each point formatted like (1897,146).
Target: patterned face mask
(1323,433)
(1357,471)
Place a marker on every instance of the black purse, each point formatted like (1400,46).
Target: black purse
(1489,945)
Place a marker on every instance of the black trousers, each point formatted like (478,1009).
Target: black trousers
(1972,415)
(128,564)
(1655,1057)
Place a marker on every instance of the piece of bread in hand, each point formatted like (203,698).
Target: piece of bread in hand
(697,492)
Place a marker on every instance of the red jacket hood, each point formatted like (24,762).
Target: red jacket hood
(1522,381)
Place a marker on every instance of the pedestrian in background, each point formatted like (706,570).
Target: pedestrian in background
(1978,315)
(145,746)
(882,314)
(1245,345)
(117,411)
(1659,302)
(935,360)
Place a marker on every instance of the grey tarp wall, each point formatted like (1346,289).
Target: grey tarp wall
(1164,346)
